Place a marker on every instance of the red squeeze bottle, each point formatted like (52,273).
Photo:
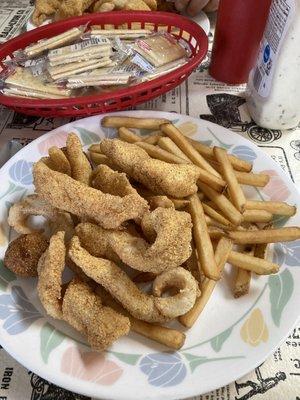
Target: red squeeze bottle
(239,29)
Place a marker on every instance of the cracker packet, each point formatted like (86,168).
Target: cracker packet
(66,70)
(95,47)
(36,49)
(20,82)
(159,49)
(121,33)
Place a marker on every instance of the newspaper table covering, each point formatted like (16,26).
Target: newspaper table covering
(276,379)
(13,15)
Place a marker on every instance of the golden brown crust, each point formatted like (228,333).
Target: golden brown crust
(177,180)
(23,254)
(80,166)
(140,305)
(83,310)
(50,269)
(67,194)
(35,205)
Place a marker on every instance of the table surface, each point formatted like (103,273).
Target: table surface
(195,97)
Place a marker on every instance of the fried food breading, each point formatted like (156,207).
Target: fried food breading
(160,201)
(168,230)
(34,205)
(171,234)
(83,310)
(67,194)
(96,241)
(59,161)
(112,182)
(23,254)
(44,9)
(72,8)
(142,306)
(177,180)
(80,166)
(50,269)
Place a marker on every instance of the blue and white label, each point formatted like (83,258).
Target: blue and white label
(280,18)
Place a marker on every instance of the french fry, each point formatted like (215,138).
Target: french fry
(265,236)
(242,280)
(202,240)
(167,144)
(185,146)
(208,152)
(215,232)
(153,138)
(254,264)
(216,183)
(160,154)
(99,158)
(248,178)
(244,178)
(225,206)
(212,222)
(192,264)
(241,283)
(221,254)
(274,207)
(215,215)
(95,148)
(235,191)
(131,122)
(127,135)
(166,336)
(179,204)
(257,216)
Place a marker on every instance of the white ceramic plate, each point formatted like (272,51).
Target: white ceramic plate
(201,19)
(230,338)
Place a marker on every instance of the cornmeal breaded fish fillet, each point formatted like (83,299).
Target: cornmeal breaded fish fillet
(67,194)
(83,310)
(177,180)
(50,269)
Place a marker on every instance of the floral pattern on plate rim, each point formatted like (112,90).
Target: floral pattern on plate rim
(163,369)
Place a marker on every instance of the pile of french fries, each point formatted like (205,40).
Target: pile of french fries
(227,227)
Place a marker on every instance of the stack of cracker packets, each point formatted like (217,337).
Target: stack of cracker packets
(79,61)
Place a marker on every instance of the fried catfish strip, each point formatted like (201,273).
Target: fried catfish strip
(58,160)
(83,310)
(96,241)
(170,232)
(80,166)
(177,180)
(67,194)
(142,306)
(35,205)
(112,182)
(50,269)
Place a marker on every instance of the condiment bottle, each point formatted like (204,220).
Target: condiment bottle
(274,84)
(239,29)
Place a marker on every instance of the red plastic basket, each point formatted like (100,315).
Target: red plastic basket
(120,99)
